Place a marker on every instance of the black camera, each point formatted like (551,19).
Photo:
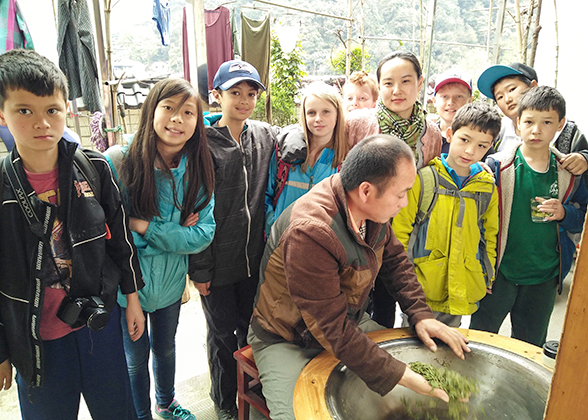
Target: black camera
(78,311)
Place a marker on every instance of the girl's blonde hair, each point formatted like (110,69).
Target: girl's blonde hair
(339,141)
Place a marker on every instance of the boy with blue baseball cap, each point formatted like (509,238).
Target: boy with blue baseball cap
(227,273)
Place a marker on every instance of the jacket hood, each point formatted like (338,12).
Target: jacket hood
(292,144)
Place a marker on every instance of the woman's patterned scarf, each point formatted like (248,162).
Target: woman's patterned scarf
(408,130)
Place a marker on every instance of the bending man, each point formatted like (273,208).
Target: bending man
(319,265)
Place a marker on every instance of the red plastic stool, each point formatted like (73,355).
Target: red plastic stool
(248,385)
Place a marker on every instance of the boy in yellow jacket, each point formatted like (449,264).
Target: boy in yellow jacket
(450,224)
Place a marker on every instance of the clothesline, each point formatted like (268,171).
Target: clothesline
(307,11)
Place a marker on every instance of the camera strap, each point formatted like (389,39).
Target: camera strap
(40,229)
(22,197)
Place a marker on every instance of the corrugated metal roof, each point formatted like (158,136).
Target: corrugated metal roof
(133,92)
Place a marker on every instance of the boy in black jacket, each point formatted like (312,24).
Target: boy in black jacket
(226,273)
(66,249)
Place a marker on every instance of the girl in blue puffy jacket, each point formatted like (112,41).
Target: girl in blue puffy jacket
(167,179)
(308,152)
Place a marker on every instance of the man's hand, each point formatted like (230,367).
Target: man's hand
(418,384)
(5,375)
(135,316)
(427,329)
(203,288)
(574,163)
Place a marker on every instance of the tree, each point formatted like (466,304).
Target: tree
(338,60)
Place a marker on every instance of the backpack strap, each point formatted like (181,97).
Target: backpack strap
(494,166)
(429,179)
(88,170)
(281,176)
(564,140)
(1,183)
(116,156)
(84,164)
(482,203)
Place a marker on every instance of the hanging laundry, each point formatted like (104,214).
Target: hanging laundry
(255,45)
(235,32)
(219,40)
(161,14)
(288,36)
(16,34)
(77,58)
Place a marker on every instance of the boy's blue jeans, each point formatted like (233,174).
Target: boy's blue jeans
(159,337)
(83,362)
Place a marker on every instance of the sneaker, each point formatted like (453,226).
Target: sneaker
(227,414)
(174,412)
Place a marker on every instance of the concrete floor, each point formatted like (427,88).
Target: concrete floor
(192,379)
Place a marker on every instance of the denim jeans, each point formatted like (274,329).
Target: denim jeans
(159,337)
(85,362)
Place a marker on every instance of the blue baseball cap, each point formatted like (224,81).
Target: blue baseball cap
(235,71)
(493,74)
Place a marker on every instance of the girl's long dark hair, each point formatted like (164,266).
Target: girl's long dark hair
(138,166)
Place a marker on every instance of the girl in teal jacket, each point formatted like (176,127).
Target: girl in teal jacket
(167,180)
(306,153)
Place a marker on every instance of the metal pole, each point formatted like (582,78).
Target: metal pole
(109,104)
(413,22)
(429,46)
(361,32)
(489,29)
(498,35)
(519,31)
(348,52)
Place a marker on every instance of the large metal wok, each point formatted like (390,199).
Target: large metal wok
(511,385)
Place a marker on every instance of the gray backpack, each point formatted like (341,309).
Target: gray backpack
(430,190)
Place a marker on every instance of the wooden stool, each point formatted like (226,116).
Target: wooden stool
(248,385)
